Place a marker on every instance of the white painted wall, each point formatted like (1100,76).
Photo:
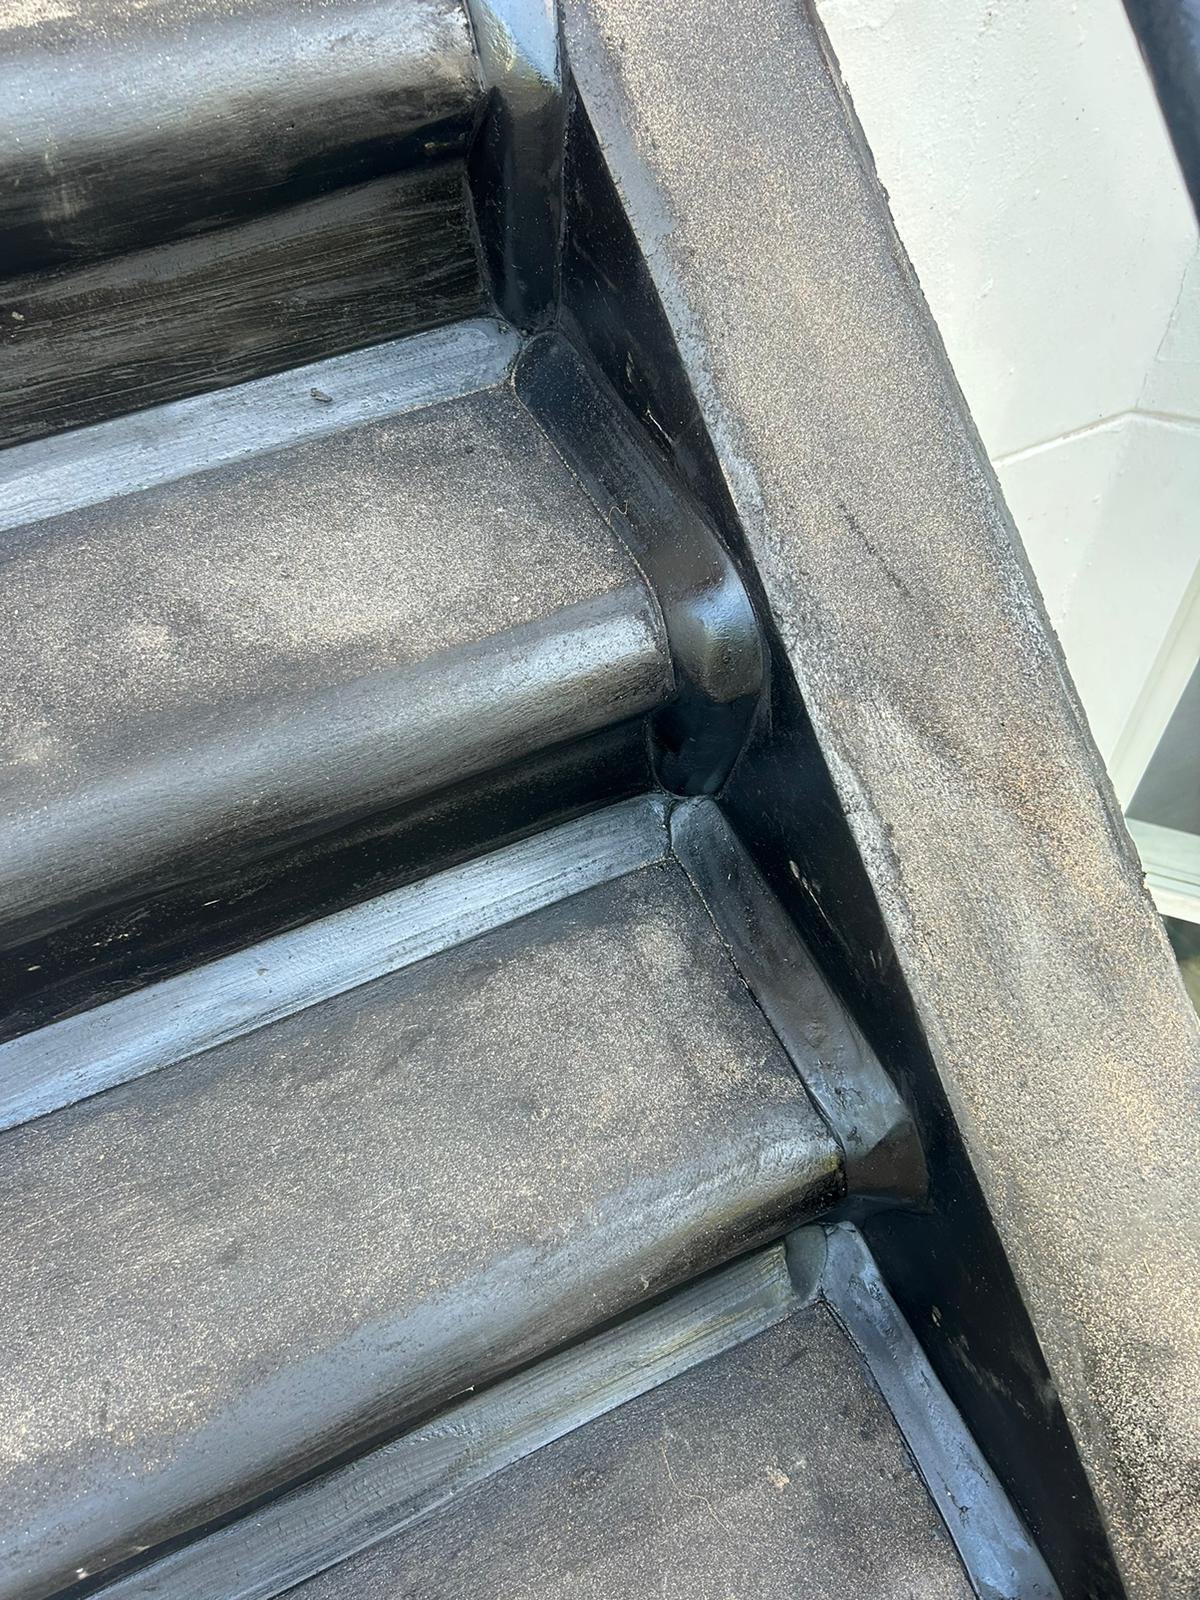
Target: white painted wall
(1034,187)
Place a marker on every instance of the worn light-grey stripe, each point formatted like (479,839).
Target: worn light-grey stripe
(87,465)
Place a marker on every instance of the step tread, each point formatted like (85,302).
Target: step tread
(236,1267)
(772,1471)
(226,663)
(266,580)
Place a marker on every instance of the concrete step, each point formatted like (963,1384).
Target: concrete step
(245,627)
(317,1191)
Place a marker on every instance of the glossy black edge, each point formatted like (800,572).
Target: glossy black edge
(610,309)
(514,164)
(371,1498)
(884,1161)
(944,1263)
(1168,32)
(996,1551)
(715,644)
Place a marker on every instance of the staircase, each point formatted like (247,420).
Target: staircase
(431,1152)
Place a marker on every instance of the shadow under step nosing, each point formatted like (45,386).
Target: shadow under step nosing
(182,1017)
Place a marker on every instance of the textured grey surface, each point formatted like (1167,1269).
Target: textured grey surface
(773,1472)
(1041,974)
(88,466)
(130,624)
(226,1271)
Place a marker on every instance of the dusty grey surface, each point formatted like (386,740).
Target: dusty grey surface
(203,670)
(59,21)
(239,1265)
(131,625)
(1013,898)
(773,1472)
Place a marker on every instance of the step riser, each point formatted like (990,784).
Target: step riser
(165,1023)
(123,950)
(337,273)
(396,1486)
